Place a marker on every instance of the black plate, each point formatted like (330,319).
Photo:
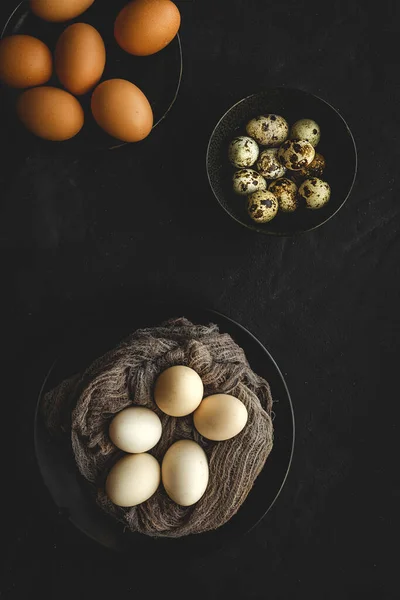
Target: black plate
(158,76)
(337,145)
(69,490)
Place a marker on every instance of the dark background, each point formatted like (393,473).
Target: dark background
(87,233)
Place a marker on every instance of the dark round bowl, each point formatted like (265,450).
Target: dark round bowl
(73,501)
(158,76)
(337,146)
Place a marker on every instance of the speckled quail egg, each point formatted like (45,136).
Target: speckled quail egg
(316,168)
(243,152)
(285,191)
(268,164)
(247,181)
(268,130)
(315,192)
(296,154)
(306,129)
(262,206)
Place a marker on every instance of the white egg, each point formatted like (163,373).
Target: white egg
(178,391)
(268,130)
(285,192)
(262,206)
(268,164)
(185,472)
(133,480)
(135,429)
(243,152)
(296,154)
(247,181)
(306,129)
(220,417)
(315,192)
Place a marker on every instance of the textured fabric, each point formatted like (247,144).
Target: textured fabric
(126,376)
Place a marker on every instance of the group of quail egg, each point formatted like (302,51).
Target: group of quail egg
(279,167)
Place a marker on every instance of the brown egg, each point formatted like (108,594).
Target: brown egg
(59,10)
(50,113)
(80,58)
(122,110)
(220,417)
(145,27)
(25,61)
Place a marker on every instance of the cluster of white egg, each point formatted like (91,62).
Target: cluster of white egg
(184,471)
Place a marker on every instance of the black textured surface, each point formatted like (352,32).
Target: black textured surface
(337,146)
(92,232)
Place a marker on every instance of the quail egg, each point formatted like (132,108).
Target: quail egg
(247,181)
(316,168)
(262,206)
(268,164)
(315,192)
(268,130)
(285,191)
(306,129)
(296,154)
(243,152)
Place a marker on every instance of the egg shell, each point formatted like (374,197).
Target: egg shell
(25,61)
(268,130)
(268,164)
(178,391)
(122,110)
(247,181)
(262,206)
(285,192)
(135,429)
(315,192)
(144,27)
(80,58)
(314,169)
(59,10)
(133,480)
(185,472)
(220,417)
(306,129)
(296,154)
(50,113)
(243,152)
